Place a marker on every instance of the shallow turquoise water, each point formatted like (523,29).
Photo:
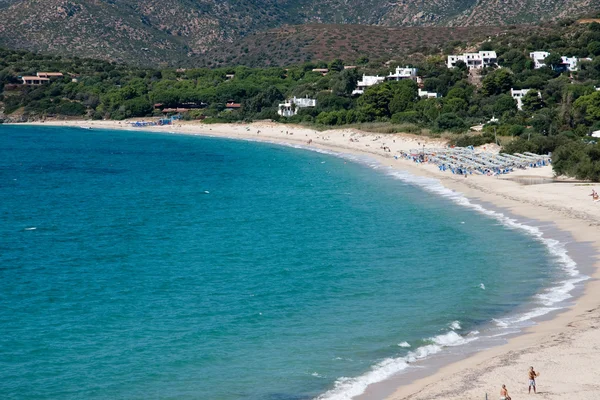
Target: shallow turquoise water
(122,278)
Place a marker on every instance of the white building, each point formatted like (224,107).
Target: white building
(402,73)
(519,94)
(291,107)
(568,63)
(367,81)
(474,60)
(538,58)
(429,95)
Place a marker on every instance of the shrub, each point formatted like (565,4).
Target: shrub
(472,140)
(407,116)
(70,109)
(450,122)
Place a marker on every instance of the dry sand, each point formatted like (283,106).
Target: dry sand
(565,349)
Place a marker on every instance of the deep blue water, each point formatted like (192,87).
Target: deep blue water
(137,265)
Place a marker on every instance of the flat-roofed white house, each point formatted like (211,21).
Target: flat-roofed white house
(538,58)
(291,106)
(402,73)
(570,63)
(518,95)
(474,60)
(367,81)
(34,80)
(429,95)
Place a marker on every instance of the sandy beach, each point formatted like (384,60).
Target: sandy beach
(563,348)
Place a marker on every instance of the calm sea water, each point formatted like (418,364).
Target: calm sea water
(137,265)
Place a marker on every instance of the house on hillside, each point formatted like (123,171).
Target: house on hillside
(322,71)
(291,106)
(567,64)
(474,60)
(429,95)
(50,75)
(518,95)
(231,106)
(367,81)
(538,58)
(33,80)
(402,73)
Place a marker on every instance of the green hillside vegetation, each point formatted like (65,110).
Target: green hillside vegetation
(560,121)
(302,43)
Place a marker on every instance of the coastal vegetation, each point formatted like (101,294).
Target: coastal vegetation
(558,115)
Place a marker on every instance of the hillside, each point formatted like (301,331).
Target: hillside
(169,31)
(311,42)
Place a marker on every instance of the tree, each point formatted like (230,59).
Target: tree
(532,101)
(376,99)
(497,82)
(455,105)
(450,122)
(268,98)
(461,65)
(362,60)
(553,60)
(336,65)
(588,108)
(404,96)
(504,103)
(594,48)
(513,59)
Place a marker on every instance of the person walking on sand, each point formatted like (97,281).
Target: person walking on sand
(504,393)
(532,376)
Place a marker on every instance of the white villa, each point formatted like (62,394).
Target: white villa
(402,73)
(398,75)
(291,107)
(519,94)
(367,81)
(474,60)
(568,63)
(429,95)
(538,58)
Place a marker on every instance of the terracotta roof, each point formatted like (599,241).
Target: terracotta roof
(34,78)
(233,105)
(49,74)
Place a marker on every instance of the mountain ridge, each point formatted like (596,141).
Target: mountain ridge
(171,31)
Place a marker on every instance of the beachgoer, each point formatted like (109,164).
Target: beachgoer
(595,196)
(532,376)
(504,393)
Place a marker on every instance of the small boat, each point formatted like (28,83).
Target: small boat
(86,127)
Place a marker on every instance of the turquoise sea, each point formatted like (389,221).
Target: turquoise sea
(144,265)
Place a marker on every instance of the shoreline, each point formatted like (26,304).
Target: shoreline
(545,345)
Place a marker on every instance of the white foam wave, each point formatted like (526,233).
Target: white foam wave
(455,325)
(347,388)
(404,344)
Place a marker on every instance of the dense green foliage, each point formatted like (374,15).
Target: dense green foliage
(559,113)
